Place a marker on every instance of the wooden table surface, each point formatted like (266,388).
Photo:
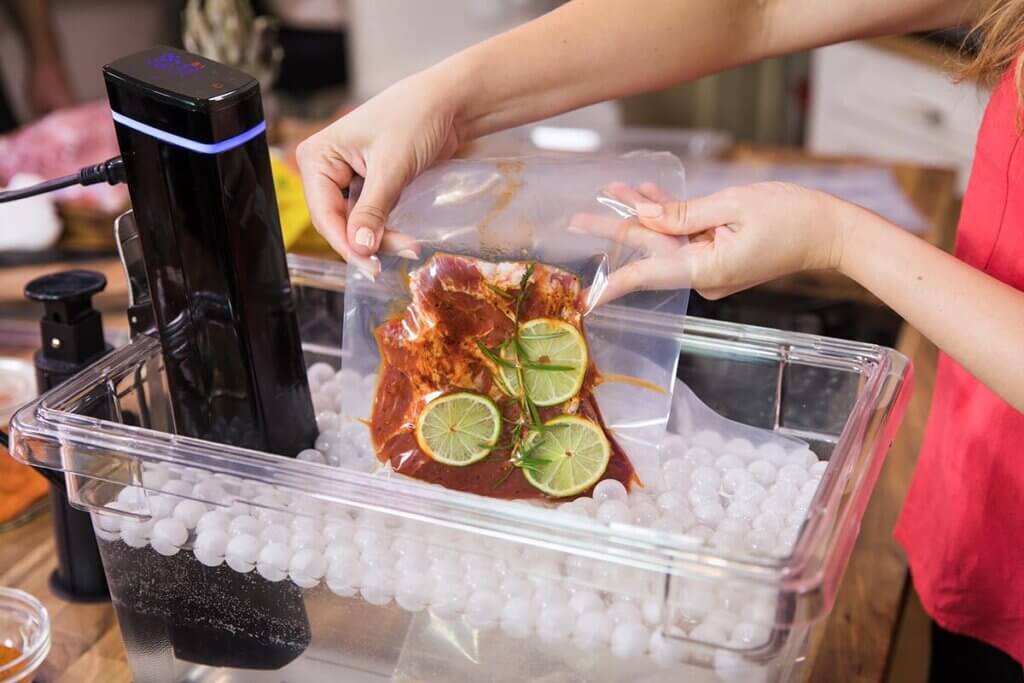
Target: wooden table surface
(855,643)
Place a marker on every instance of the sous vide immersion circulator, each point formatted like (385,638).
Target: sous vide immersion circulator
(192,136)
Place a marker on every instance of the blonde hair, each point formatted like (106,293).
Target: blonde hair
(999,32)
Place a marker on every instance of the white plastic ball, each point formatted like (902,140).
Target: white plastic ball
(699,456)
(614,511)
(608,490)
(767,521)
(319,373)
(343,577)
(413,592)
(701,531)
(731,667)
(593,630)
(818,469)
(178,487)
(273,560)
(517,616)
(710,632)
(245,525)
(629,639)
(773,453)
(746,635)
(585,600)
(311,455)
(306,567)
(775,505)
(210,546)
(651,608)
(673,446)
(709,512)
(171,531)
(550,593)
(645,514)
(377,587)
(448,599)
(307,539)
(708,439)
(761,542)
(622,612)
(811,486)
(784,490)
(733,478)
(701,494)
(242,551)
(728,462)
(189,512)
(483,608)
(743,509)
(750,491)
(555,622)
(696,601)
(741,447)
(671,501)
(706,476)
(666,651)
(763,472)
(794,474)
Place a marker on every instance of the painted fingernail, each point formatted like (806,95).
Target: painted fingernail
(365,237)
(409,254)
(648,210)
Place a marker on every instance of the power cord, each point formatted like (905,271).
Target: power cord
(110,171)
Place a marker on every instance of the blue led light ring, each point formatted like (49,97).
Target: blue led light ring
(188,143)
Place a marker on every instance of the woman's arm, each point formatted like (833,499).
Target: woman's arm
(584,52)
(47,84)
(975,318)
(745,236)
(592,50)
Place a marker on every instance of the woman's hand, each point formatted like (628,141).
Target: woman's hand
(722,243)
(387,141)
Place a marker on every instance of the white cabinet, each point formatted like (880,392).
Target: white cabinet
(872,102)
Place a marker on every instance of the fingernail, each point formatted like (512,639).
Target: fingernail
(648,210)
(365,237)
(409,254)
(575,229)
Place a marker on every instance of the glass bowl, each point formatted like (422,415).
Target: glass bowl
(24,635)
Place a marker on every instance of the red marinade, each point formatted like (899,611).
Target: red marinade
(431,350)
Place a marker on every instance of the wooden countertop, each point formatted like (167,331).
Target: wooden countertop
(855,643)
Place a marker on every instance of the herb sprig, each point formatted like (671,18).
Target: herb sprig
(522,446)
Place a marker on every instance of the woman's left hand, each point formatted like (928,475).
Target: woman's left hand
(724,242)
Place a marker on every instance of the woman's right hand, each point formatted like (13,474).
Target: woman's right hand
(387,141)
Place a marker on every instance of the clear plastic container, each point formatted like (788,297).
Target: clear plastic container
(373,578)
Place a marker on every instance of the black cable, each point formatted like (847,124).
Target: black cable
(4,441)
(110,171)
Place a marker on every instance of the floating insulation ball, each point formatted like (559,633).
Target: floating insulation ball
(214,519)
(610,489)
(706,476)
(483,608)
(794,474)
(614,512)
(210,546)
(763,472)
(708,439)
(593,629)
(448,600)
(517,615)
(169,535)
(728,462)
(666,651)
(555,622)
(343,577)
(189,512)
(773,453)
(312,455)
(413,591)
(629,639)
(377,587)
(242,551)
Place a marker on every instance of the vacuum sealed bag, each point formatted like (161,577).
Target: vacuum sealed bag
(496,366)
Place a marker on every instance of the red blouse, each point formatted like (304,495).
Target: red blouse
(962,524)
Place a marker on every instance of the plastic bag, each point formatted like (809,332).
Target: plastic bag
(521,211)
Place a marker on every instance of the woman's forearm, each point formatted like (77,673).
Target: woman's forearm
(975,318)
(593,50)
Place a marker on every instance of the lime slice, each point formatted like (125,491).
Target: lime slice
(548,341)
(459,429)
(567,458)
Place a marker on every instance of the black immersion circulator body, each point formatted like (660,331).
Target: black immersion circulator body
(211,237)
(203,197)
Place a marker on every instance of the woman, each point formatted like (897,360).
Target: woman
(963,519)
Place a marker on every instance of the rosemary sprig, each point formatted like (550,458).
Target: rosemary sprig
(495,358)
